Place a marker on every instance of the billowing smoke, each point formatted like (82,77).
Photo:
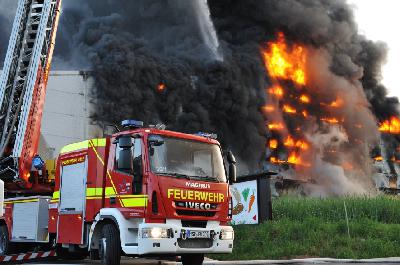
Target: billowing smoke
(7,13)
(151,61)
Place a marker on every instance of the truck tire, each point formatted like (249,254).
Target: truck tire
(110,246)
(192,259)
(4,241)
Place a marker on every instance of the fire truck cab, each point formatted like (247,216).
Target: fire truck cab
(139,192)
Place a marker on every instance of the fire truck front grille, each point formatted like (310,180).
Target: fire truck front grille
(193,223)
(195,213)
(195,243)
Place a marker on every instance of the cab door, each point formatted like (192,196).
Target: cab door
(128,177)
(71,209)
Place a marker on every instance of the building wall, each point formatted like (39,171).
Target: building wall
(67,111)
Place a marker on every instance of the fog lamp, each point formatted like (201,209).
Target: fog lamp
(156,232)
(226,234)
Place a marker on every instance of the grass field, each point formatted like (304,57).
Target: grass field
(310,227)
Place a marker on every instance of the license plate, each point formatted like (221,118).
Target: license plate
(197,234)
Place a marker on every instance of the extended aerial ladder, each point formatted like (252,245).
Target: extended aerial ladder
(22,94)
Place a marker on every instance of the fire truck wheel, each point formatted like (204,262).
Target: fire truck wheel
(192,259)
(110,246)
(4,242)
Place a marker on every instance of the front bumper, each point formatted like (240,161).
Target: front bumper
(178,245)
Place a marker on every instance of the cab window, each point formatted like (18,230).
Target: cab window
(128,160)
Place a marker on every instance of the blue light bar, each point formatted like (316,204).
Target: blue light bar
(38,162)
(207,135)
(132,124)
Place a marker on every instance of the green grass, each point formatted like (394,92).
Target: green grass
(318,228)
(382,209)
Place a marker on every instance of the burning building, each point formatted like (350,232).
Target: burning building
(288,85)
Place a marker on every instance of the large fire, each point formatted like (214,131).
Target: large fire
(390,126)
(285,63)
(317,119)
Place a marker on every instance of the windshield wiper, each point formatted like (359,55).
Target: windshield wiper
(178,175)
(213,179)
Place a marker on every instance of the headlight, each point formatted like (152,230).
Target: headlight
(156,232)
(226,234)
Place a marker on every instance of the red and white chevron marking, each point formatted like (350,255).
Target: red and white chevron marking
(28,256)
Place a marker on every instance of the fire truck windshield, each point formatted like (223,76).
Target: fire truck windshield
(185,158)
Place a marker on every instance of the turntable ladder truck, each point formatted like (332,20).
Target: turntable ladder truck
(138,192)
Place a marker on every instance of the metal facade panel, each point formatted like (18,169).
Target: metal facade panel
(67,111)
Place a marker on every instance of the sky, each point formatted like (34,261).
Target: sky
(379,20)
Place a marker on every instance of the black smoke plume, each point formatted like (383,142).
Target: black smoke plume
(133,46)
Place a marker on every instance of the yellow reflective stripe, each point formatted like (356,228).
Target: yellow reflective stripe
(110,191)
(56,195)
(83,145)
(135,202)
(108,173)
(21,201)
(99,191)
(75,147)
(94,191)
(100,142)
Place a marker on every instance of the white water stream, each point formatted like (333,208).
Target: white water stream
(207,28)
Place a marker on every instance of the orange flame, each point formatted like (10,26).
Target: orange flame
(378,158)
(276,90)
(302,145)
(337,103)
(285,63)
(295,159)
(330,120)
(268,108)
(276,160)
(276,126)
(305,99)
(305,113)
(161,87)
(290,142)
(273,144)
(390,126)
(289,109)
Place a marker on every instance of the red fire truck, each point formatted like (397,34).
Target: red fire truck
(138,192)
(142,191)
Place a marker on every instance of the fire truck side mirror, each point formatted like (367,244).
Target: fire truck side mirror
(125,141)
(125,160)
(232,167)
(231,158)
(154,140)
(232,173)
